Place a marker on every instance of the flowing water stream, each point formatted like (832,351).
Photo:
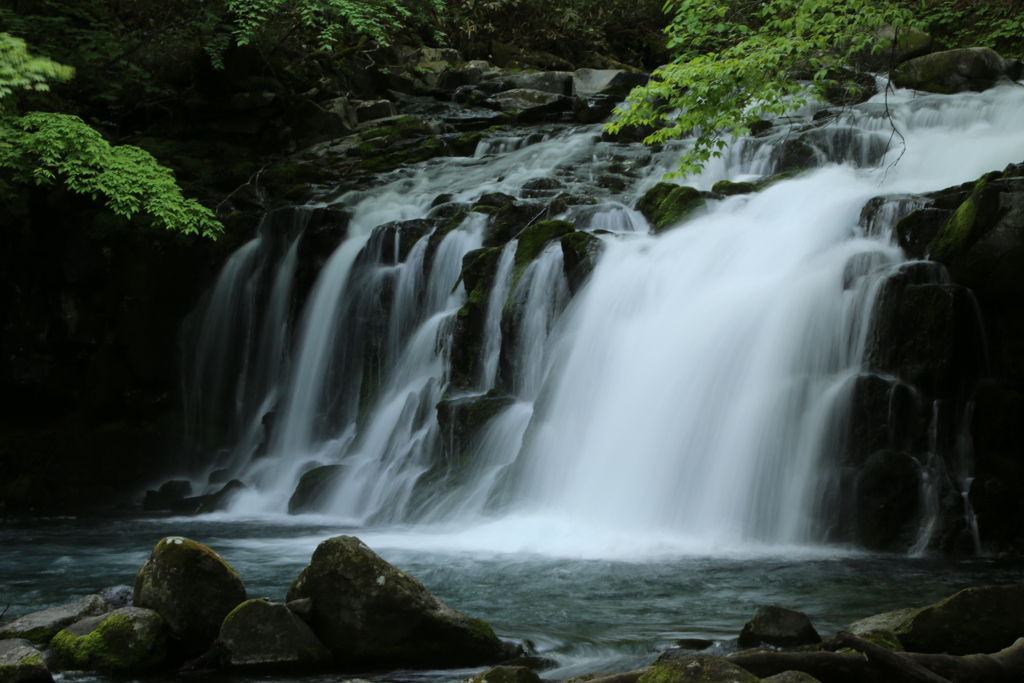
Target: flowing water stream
(662,466)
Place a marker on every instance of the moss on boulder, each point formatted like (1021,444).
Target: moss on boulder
(580,254)
(505,674)
(21,662)
(729,188)
(968,69)
(369,613)
(263,635)
(696,668)
(191,587)
(127,640)
(666,205)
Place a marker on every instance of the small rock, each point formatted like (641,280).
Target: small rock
(779,627)
(505,674)
(117,596)
(40,627)
(21,662)
(191,587)
(267,635)
(127,640)
(672,667)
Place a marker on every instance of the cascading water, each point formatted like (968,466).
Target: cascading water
(695,389)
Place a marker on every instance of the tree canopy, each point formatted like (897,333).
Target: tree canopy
(740,61)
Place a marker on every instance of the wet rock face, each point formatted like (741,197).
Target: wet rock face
(313,488)
(40,627)
(666,205)
(779,627)
(127,640)
(369,613)
(971,69)
(268,636)
(191,587)
(887,500)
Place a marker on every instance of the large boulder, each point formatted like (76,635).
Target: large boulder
(127,640)
(779,627)
(313,488)
(265,635)
(40,627)
(969,69)
(695,668)
(191,587)
(369,613)
(976,620)
(667,204)
(530,105)
(615,82)
(556,82)
(21,662)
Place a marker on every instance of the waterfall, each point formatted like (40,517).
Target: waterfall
(696,387)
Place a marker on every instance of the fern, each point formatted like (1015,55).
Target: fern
(43,149)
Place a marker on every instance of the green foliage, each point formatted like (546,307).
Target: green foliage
(741,61)
(44,148)
(20,70)
(998,24)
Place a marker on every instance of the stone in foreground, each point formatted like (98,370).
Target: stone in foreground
(127,640)
(369,613)
(698,668)
(40,627)
(191,587)
(265,635)
(779,627)
(505,674)
(791,677)
(985,619)
(21,662)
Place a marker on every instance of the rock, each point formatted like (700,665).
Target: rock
(779,627)
(616,82)
(40,627)
(461,78)
(580,254)
(505,674)
(479,269)
(369,613)
(888,490)
(312,489)
(595,108)
(308,123)
(511,220)
(695,644)
(729,188)
(266,635)
(969,69)
(208,503)
(791,677)
(910,43)
(303,608)
(20,662)
(695,668)
(976,620)
(916,232)
(794,154)
(666,205)
(460,419)
(883,637)
(532,241)
(191,587)
(530,105)
(127,640)
(541,187)
(117,596)
(377,109)
(555,82)
(170,492)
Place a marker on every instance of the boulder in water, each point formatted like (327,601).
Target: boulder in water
(976,620)
(580,254)
(21,662)
(555,82)
(675,667)
(505,674)
(612,82)
(263,635)
(667,204)
(530,105)
(191,587)
(369,613)
(40,627)
(127,640)
(532,241)
(313,488)
(916,232)
(729,188)
(969,69)
(779,627)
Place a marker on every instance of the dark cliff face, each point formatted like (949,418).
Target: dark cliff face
(90,311)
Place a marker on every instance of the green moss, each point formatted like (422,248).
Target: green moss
(954,236)
(729,188)
(388,162)
(532,241)
(666,204)
(112,646)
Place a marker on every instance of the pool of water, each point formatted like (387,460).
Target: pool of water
(588,602)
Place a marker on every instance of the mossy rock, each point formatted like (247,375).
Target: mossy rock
(916,232)
(461,418)
(312,489)
(191,587)
(21,662)
(505,674)
(729,188)
(532,241)
(430,148)
(40,627)
(127,640)
(369,613)
(479,268)
(968,69)
(666,205)
(580,253)
(779,627)
(696,668)
(882,637)
(510,220)
(267,636)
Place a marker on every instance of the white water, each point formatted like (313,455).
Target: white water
(688,398)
